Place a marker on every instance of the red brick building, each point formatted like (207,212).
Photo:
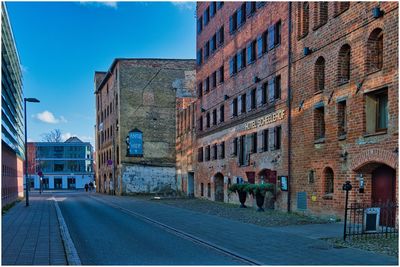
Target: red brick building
(338,61)
(242,70)
(344,81)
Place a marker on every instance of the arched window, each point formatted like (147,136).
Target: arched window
(320,14)
(328,181)
(319,74)
(344,64)
(303,10)
(375,51)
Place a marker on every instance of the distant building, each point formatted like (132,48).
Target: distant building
(64,165)
(185,145)
(12,136)
(136,104)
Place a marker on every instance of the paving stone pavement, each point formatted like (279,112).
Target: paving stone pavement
(31,235)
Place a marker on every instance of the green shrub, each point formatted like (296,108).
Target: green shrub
(260,188)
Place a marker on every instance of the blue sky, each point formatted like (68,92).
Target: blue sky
(61,44)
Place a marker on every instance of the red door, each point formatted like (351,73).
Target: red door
(383,194)
(383,185)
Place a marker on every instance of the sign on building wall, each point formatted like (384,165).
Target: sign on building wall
(135,143)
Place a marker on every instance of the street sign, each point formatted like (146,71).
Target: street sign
(40,173)
(109,162)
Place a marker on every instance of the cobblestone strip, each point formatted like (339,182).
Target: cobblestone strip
(72,254)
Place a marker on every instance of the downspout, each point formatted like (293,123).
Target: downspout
(289,101)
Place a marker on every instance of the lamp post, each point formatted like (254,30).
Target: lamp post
(32,100)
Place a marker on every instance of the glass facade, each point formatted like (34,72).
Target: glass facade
(64,157)
(11,90)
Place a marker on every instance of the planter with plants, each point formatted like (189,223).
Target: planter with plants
(241,190)
(259,191)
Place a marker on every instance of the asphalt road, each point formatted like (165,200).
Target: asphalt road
(104,235)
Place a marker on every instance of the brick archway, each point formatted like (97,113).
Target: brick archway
(374,156)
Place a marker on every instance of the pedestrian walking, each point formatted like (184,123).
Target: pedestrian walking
(90,186)
(86,187)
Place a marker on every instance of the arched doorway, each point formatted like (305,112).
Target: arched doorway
(383,184)
(219,187)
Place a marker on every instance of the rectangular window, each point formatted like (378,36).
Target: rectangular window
(277,87)
(233,65)
(215,151)
(220,4)
(233,23)
(277,39)
(220,36)
(209,190)
(207,85)
(319,123)
(278,137)
(271,37)
(221,74)
(264,99)
(265,139)
(342,119)
(201,123)
(200,56)
(214,80)
(206,16)
(222,150)
(242,150)
(213,43)
(253,99)
(200,89)
(250,8)
(376,111)
(254,142)
(201,189)
(260,4)
(199,25)
(208,153)
(200,154)
(213,9)
(221,113)
(235,146)
(207,50)
(242,64)
(251,51)
(260,45)
(214,115)
(271,90)
(235,107)
(208,119)
(243,107)
(241,15)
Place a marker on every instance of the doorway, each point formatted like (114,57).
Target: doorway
(71,182)
(219,187)
(57,183)
(383,184)
(190,186)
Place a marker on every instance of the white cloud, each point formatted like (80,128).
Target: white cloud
(24,69)
(48,117)
(110,4)
(185,5)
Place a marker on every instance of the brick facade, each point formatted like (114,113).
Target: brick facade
(141,94)
(343,81)
(268,162)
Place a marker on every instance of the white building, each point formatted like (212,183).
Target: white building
(62,165)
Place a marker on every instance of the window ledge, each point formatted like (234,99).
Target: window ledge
(342,137)
(375,134)
(320,140)
(343,82)
(328,196)
(373,71)
(318,92)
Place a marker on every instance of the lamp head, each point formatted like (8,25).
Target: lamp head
(32,100)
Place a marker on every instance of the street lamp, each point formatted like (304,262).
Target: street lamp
(32,100)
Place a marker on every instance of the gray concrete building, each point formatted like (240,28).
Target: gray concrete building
(135,124)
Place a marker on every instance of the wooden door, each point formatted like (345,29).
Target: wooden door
(383,194)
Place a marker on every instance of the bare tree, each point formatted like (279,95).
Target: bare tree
(52,136)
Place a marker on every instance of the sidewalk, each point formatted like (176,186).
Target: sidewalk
(31,235)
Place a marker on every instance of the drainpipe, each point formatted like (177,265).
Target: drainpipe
(289,95)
